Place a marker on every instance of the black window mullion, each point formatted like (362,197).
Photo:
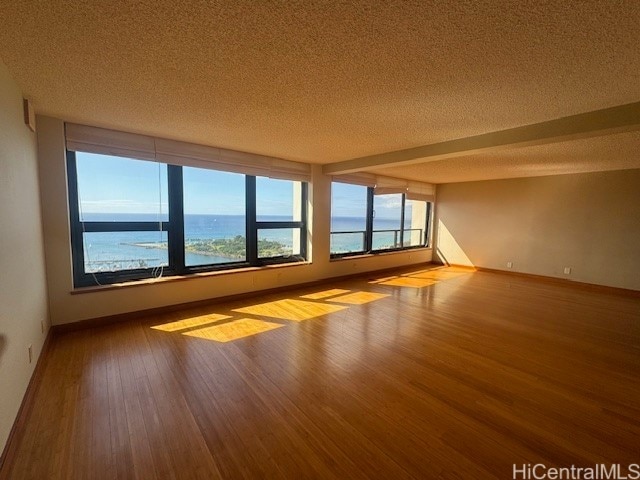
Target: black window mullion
(427,225)
(77,241)
(369,228)
(276,225)
(303,217)
(124,226)
(402,220)
(252,229)
(175,236)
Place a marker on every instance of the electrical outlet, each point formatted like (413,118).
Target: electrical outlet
(30,350)
(567,270)
(509,264)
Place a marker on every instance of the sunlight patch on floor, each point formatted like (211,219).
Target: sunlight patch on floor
(325,294)
(190,322)
(222,328)
(358,298)
(383,279)
(423,278)
(234,330)
(407,282)
(295,310)
(438,275)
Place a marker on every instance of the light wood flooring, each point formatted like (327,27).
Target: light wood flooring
(422,374)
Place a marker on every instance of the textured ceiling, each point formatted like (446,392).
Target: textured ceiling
(612,152)
(322,81)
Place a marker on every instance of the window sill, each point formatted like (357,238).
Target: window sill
(357,256)
(180,278)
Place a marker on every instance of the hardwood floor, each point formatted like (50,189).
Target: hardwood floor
(425,374)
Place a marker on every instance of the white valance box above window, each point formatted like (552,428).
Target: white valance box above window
(383,185)
(88,139)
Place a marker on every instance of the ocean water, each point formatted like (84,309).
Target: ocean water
(109,251)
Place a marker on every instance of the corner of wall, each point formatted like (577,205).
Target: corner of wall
(23,290)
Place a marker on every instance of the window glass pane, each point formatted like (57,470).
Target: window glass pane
(415,215)
(113,189)
(387,210)
(348,217)
(113,251)
(278,200)
(278,242)
(214,217)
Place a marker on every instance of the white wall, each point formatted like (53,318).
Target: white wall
(67,307)
(589,222)
(23,295)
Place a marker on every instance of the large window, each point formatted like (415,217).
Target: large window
(387,221)
(416,223)
(348,218)
(280,218)
(215,218)
(134,219)
(363,222)
(121,205)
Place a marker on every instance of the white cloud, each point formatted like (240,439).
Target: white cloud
(389,202)
(121,206)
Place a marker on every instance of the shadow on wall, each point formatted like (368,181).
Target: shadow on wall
(448,250)
(3,345)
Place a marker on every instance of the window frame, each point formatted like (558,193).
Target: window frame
(400,230)
(253,226)
(369,229)
(368,235)
(175,229)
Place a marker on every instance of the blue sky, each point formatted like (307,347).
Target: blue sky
(108,184)
(351,201)
(116,185)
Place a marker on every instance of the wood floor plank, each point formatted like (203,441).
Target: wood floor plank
(440,373)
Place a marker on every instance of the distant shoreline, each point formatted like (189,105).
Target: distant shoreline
(163,246)
(230,249)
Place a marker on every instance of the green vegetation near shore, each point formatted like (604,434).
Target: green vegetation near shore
(232,248)
(235,247)
(222,247)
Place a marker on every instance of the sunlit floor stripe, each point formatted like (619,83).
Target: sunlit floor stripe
(325,294)
(227,332)
(435,275)
(358,298)
(190,322)
(408,282)
(296,310)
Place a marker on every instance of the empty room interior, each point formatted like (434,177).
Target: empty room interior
(255,240)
